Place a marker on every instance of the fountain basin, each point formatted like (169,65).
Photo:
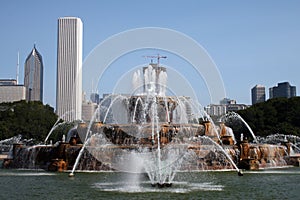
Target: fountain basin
(204,154)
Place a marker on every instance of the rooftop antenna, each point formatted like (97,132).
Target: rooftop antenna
(92,90)
(17,78)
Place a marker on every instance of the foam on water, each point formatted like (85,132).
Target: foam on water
(273,172)
(142,187)
(26,174)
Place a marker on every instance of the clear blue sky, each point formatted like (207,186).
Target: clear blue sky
(251,42)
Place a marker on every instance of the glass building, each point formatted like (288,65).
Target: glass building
(33,76)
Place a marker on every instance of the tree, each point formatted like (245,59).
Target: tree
(30,119)
(279,115)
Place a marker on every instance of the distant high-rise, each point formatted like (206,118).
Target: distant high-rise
(33,76)
(69,66)
(95,98)
(282,90)
(258,94)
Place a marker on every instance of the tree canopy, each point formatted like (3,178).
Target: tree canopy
(29,119)
(279,115)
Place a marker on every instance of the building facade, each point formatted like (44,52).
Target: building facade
(33,76)
(226,105)
(10,91)
(88,110)
(236,107)
(69,69)
(8,82)
(282,90)
(216,109)
(258,94)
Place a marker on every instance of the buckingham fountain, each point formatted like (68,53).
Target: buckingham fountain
(152,133)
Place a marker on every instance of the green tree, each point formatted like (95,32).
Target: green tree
(279,115)
(30,119)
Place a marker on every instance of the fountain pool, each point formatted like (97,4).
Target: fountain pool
(264,184)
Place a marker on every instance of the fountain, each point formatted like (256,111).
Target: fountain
(270,152)
(154,131)
(150,132)
(235,116)
(57,124)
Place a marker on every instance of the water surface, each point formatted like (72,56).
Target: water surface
(263,184)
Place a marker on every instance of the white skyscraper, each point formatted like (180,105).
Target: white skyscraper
(69,68)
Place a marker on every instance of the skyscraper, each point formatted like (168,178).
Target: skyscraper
(258,94)
(282,90)
(33,76)
(95,98)
(69,68)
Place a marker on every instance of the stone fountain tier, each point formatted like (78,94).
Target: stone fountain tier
(257,156)
(199,140)
(62,157)
(51,158)
(130,134)
(293,160)
(106,141)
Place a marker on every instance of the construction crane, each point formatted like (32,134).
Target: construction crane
(158,57)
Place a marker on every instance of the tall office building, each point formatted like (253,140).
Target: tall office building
(33,76)
(95,98)
(69,69)
(258,94)
(282,90)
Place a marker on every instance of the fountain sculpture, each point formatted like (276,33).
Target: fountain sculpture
(150,132)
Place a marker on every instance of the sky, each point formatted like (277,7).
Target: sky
(251,42)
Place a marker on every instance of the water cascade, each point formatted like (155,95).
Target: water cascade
(85,141)
(235,116)
(57,124)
